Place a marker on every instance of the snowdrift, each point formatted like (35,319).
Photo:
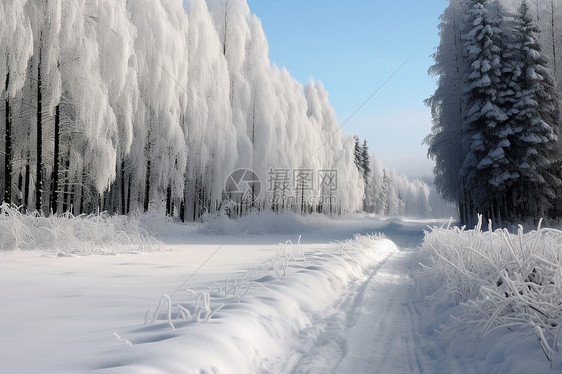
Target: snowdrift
(502,280)
(249,321)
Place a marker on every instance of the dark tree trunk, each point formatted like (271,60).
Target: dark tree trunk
(68,199)
(182,210)
(123,201)
(20,186)
(147,178)
(8,150)
(169,200)
(27,183)
(128,196)
(195,192)
(80,208)
(39,179)
(147,186)
(302,198)
(56,162)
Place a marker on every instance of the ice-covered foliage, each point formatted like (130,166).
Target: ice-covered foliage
(68,235)
(504,280)
(445,140)
(392,194)
(536,115)
(150,105)
(496,108)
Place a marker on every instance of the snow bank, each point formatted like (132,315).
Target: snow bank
(69,235)
(501,281)
(242,323)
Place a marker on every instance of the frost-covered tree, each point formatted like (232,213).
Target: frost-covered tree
(548,16)
(116,39)
(377,204)
(208,113)
(149,105)
(161,64)
(358,154)
(16,48)
(391,193)
(366,161)
(496,110)
(447,106)
(534,119)
(487,171)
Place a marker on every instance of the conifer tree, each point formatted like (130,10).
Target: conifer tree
(358,155)
(535,114)
(447,107)
(486,171)
(365,162)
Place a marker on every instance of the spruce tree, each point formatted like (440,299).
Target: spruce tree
(444,141)
(535,114)
(486,170)
(358,154)
(365,161)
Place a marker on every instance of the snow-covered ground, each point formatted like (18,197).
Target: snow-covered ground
(218,297)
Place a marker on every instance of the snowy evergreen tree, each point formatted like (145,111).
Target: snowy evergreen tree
(447,107)
(496,109)
(358,155)
(534,120)
(366,161)
(486,170)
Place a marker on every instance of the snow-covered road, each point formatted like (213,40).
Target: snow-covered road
(372,328)
(381,335)
(340,310)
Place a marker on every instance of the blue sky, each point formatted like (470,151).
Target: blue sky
(353,47)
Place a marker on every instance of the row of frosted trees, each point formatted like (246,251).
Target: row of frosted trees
(150,104)
(389,193)
(496,109)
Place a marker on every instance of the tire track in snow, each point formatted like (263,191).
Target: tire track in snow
(324,344)
(368,331)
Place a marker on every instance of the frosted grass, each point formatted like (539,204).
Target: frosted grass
(67,235)
(505,280)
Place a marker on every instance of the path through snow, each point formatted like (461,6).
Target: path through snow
(372,329)
(331,314)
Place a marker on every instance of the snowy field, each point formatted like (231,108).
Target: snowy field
(227,297)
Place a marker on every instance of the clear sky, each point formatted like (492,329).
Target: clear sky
(353,47)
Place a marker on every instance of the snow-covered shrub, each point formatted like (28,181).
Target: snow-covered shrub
(70,235)
(505,280)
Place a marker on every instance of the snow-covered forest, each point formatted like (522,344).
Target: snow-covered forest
(125,106)
(496,110)
(120,120)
